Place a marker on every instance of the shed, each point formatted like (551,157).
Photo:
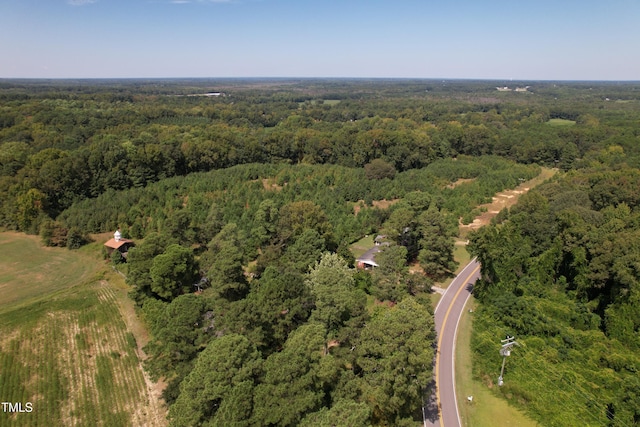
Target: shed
(118,243)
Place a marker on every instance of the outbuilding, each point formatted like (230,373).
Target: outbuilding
(118,243)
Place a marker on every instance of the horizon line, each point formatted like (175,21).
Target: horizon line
(487,79)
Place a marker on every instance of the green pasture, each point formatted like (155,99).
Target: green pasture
(64,344)
(30,272)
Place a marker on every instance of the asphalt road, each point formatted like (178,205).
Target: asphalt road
(442,409)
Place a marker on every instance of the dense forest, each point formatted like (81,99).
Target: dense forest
(251,191)
(561,272)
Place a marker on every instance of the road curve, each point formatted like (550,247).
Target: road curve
(447,315)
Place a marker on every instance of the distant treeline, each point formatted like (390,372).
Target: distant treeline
(62,143)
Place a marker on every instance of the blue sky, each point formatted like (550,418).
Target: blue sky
(519,39)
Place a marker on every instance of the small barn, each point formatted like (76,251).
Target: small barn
(118,243)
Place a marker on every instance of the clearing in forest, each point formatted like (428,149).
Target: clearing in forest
(65,345)
(504,199)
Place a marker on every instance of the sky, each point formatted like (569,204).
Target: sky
(455,39)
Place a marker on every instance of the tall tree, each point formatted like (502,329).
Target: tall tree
(296,217)
(219,389)
(395,355)
(389,278)
(180,331)
(336,297)
(173,272)
(223,264)
(436,243)
(295,378)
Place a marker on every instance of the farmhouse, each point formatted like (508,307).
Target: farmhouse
(117,243)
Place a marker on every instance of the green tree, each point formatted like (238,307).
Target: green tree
(295,379)
(342,413)
(223,264)
(389,278)
(173,272)
(139,263)
(379,169)
(29,207)
(265,222)
(76,238)
(304,252)
(180,330)
(279,302)
(436,243)
(219,389)
(295,217)
(395,355)
(333,287)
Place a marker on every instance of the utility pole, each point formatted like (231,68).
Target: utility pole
(505,351)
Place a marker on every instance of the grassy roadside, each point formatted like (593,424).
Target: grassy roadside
(486,409)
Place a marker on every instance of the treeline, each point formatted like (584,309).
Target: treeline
(63,145)
(186,207)
(560,272)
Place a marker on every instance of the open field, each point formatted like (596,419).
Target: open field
(66,341)
(30,271)
(485,408)
(561,122)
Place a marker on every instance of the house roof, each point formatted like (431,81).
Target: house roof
(115,244)
(369,256)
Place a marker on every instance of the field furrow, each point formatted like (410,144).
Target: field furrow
(70,353)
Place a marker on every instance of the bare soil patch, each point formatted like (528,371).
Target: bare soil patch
(380,204)
(504,199)
(270,185)
(460,182)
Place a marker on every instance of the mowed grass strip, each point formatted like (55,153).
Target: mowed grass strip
(68,350)
(30,271)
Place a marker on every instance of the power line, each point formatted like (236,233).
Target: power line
(505,351)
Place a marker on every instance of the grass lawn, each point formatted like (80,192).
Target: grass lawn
(29,271)
(67,342)
(561,122)
(361,246)
(486,408)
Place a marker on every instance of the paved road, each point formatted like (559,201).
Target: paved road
(442,410)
